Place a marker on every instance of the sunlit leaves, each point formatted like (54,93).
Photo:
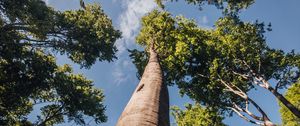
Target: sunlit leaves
(89,36)
(196,115)
(196,59)
(293,95)
(157,26)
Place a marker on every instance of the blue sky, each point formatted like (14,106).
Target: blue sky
(118,79)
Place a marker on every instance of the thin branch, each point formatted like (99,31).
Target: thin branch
(201,75)
(258,81)
(37,103)
(48,117)
(246,110)
(245,118)
(242,75)
(265,117)
(243,95)
(39,41)
(277,86)
(229,86)
(259,65)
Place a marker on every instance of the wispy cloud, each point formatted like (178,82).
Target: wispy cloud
(204,22)
(129,24)
(130,19)
(124,71)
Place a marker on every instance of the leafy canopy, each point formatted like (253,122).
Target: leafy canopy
(199,60)
(293,95)
(196,115)
(229,6)
(30,35)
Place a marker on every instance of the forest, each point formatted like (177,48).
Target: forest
(148,63)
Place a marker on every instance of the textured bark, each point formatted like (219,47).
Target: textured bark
(149,103)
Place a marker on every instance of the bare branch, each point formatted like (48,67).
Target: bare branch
(264,115)
(245,118)
(243,95)
(230,88)
(201,75)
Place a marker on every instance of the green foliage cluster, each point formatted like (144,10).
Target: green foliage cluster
(30,35)
(201,60)
(141,58)
(236,53)
(196,115)
(229,6)
(293,95)
(89,36)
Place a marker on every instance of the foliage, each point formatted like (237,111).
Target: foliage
(196,115)
(293,95)
(90,33)
(84,35)
(228,6)
(141,58)
(30,34)
(217,67)
(157,27)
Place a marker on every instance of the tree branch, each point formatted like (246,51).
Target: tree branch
(244,117)
(243,95)
(49,117)
(250,113)
(242,75)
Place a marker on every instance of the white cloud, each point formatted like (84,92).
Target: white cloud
(124,71)
(204,22)
(129,25)
(130,20)
(119,76)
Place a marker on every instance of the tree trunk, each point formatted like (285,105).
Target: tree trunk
(285,102)
(149,103)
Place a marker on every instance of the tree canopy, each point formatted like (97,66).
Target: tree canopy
(31,33)
(228,6)
(293,95)
(217,67)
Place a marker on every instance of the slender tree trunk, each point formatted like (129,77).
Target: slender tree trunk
(149,104)
(284,101)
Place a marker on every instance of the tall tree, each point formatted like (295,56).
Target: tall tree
(149,104)
(293,95)
(30,34)
(218,67)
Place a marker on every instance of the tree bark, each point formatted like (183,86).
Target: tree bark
(285,102)
(149,104)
